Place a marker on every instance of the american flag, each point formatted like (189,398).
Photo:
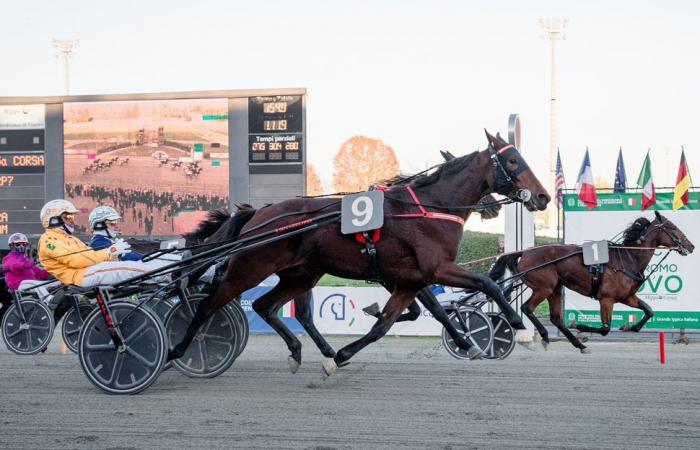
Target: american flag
(559,184)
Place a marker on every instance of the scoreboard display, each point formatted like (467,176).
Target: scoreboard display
(22,169)
(275,129)
(162,159)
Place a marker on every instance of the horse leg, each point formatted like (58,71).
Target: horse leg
(556,315)
(304,314)
(226,291)
(451,274)
(636,302)
(528,308)
(431,303)
(267,306)
(412,314)
(606,308)
(398,301)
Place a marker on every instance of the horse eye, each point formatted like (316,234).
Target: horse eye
(513,161)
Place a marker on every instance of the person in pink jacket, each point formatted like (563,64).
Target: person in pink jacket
(20,271)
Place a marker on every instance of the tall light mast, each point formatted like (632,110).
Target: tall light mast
(64,49)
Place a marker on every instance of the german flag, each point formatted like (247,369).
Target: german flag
(680,193)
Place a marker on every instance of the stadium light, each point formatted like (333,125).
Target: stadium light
(64,49)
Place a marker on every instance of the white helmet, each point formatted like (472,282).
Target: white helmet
(51,212)
(17,238)
(100,214)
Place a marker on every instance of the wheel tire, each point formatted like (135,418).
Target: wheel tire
(33,336)
(244,328)
(71,324)
(503,337)
(161,306)
(208,355)
(139,364)
(479,331)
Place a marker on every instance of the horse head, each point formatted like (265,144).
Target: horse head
(511,175)
(668,234)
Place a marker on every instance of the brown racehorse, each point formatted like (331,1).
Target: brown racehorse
(621,278)
(412,253)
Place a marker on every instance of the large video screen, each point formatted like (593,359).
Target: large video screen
(161,163)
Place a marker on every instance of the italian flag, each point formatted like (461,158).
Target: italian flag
(680,193)
(646,182)
(287,310)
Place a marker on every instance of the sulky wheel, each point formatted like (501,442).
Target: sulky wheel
(242,322)
(72,322)
(161,306)
(503,337)
(133,366)
(478,331)
(214,347)
(27,328)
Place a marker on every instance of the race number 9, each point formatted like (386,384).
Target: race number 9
(363,211)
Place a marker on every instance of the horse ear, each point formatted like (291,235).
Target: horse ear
(498,136)
(447,155)
(491,139)
(658,216)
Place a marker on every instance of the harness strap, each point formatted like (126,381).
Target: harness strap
(427,214)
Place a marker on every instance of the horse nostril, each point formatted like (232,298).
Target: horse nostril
(544,198)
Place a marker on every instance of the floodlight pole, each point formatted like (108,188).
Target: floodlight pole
(64,49)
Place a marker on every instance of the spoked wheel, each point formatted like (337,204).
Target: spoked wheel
(161,306)
(215,346)
(477,329)
(28,333)
(242,321)
(503,337)
(72,322)
(133,366)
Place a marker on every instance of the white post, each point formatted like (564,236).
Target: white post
(519,226)
(64,50)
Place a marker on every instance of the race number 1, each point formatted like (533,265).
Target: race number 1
(362,212)
(595,253)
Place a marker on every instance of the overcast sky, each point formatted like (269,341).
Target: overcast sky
(420,75)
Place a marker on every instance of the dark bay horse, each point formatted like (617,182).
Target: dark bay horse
(623,275)
(412,253)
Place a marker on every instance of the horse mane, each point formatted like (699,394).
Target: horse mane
(632,234)
(208,226)
(424,179)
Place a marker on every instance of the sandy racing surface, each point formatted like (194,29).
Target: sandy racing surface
(399,392)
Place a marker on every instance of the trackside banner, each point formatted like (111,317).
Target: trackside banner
(673,290)
(338,310)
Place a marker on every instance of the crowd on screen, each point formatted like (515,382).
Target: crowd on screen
(143,207)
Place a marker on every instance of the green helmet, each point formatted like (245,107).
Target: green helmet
(99,215)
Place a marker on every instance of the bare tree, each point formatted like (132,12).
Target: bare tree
(362,161)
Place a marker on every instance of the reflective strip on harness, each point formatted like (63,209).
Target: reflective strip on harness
(429,215)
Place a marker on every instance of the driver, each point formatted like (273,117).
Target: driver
(104,222)
(71,261)
(20,271)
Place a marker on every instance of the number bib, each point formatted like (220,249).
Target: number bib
(595,253)
(362,212)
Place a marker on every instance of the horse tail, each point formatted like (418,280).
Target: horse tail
(243,215)
(208,226)
(509,261)
(221,223)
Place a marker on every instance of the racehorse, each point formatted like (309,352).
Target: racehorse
(619,282)
(418,246)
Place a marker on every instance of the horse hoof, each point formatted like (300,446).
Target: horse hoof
(522,336)
(372,310)
(475,353)
(329,367)
(293,364)
(625,327)
(527,345)
(545,344)
(586,351)
(571,324)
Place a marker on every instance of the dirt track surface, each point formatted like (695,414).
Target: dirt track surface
(399,392)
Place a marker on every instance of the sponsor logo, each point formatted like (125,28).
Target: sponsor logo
(340,307)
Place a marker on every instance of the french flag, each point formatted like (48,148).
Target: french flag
(585,187)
